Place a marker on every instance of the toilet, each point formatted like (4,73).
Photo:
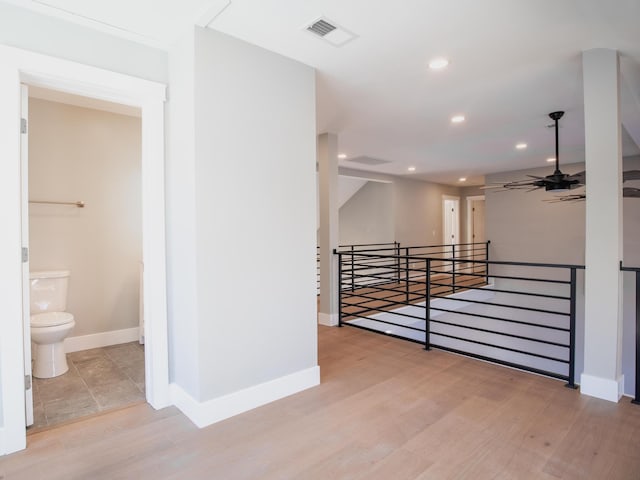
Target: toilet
(50,324)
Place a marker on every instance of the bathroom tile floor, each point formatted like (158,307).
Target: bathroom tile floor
(99,379)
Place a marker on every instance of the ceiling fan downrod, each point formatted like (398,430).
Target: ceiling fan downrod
(555,116)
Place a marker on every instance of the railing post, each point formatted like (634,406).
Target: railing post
(398,260)
(572,331)
(406,273)
(339,289)
(486,259)
(453,268)
(636,399)
(353,270)
(427,307)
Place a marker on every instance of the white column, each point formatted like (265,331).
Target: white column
(602,376)
(328,185)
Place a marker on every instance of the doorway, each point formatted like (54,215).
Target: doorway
(82,200)
(475,219)
(19,66)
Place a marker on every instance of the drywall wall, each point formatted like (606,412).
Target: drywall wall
(51,36)
(94,156)
(249,159)
(417,207)
(523,226)
(367,217)
(418,211)
(181,208)
(255,192)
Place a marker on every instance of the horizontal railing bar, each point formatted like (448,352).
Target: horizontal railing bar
(386,322)
(515,350)
(514,292)
(369,329)
(382,289)
(501,319)
(538,371)
(357,314)
(384,300)
(493,332)
(503,305)
(487,262)
(379,310)
(629,269)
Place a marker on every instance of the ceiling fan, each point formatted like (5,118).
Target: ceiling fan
(556,182)
(627,192)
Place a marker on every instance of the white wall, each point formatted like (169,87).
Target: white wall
(367,217)
(84,154)
(181,208)
(524,227)
(241,218)
(417,207)
(51,36)
(255,183)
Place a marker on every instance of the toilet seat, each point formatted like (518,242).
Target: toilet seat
(51,319)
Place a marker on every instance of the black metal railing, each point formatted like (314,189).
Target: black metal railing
(394,246)
(393,263)
(523,320)
(636,398)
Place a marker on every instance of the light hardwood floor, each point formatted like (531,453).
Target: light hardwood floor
(386,409)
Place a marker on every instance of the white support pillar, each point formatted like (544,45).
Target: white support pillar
(328,185)
(602,376)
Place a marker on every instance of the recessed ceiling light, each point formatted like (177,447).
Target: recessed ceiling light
(521,146)
(551,159)
(462,179)
(457,119)
(438,63)
(342,156)
(412,169)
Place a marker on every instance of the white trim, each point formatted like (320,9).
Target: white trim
(470,215)
(18,66)
(102,339)
(328,319)
(203,414)
(3,448)
(604,388)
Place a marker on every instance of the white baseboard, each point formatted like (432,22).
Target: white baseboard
(604,388)
(206,413)
(328,319)
(103,339)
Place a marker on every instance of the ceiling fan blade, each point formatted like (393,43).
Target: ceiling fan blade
(629,192)
(535,176)
(580,176)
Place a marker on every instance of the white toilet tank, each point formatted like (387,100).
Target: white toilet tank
(48,291)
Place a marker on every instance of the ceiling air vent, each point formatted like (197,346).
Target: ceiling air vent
(329,31)
(321,28)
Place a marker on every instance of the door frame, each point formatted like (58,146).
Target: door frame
(470,215)
(19,66)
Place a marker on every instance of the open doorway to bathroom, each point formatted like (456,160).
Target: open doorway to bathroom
(85,216)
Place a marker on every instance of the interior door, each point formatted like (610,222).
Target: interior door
(24,179)
(450,228)
(477,219)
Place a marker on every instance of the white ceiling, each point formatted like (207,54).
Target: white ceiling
(512,62)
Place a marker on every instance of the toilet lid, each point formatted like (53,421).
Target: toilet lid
(51,319)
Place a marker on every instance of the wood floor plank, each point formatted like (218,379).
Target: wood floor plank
(386,409)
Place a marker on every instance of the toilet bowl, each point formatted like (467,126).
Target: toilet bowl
(49,323)
(48,331)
